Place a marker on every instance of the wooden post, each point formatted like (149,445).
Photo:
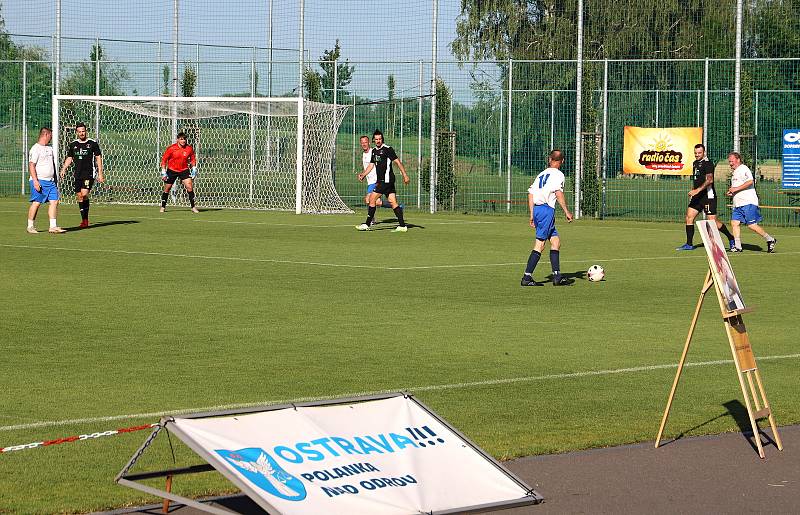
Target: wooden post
(168,488)
(706,285)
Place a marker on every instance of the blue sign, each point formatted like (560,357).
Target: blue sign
(791,159)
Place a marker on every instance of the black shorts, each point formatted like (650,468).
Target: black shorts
(173,176)
(704,204)
(385,188)
(83,183)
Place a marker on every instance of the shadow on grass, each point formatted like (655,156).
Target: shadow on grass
(103,224)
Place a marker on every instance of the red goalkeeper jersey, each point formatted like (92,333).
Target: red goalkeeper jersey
(178,159)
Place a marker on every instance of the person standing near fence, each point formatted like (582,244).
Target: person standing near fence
(179,162)
(745,203)
(702,197)
(88,159)
(546,190)
(42,170)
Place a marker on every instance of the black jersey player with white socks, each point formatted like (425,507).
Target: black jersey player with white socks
(383,157)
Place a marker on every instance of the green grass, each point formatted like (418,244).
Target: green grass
(182,311)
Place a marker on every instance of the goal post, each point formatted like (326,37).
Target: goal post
(252,152)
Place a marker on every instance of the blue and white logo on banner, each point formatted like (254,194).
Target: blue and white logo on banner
(263,471)
(791,159)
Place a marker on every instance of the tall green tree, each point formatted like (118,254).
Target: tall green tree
(81,79)
(334,74)
(189,81)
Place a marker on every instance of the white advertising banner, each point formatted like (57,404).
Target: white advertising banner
(386,456)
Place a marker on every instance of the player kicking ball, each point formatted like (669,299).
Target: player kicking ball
(547,188)
(383,156)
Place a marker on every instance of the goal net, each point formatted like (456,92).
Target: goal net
(252,153)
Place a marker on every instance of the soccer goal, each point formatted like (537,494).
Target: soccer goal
(252,153)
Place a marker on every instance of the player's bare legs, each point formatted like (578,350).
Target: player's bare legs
(188,185)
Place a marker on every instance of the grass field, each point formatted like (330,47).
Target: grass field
(145,313)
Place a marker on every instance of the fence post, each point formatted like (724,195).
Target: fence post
(552,119)
(578,111)
(335,106)
(737,86)
(197,69)
(419,135)
(24,126)
(605,139)
(97,88)
(252,125)
(508,135)
(500,136)
(434,156)
(657,108)
(174,107)
(705,105)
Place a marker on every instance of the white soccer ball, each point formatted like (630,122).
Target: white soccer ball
(595,273)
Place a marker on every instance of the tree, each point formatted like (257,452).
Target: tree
(188,82)
(334,74)
(446,183)
(165,75)
(81,80)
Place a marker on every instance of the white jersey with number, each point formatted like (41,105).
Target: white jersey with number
(545,186)
(366,159)
(748,196)
(42,157)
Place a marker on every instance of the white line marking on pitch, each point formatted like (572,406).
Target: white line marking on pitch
(168,254)
(414,390)
(346,265)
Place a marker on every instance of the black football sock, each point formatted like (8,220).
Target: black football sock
(533,260)
(724,230)
(164,197)
(555,262)
(689,234)
(398,212)
(370,215)
(86,209)
(191,198)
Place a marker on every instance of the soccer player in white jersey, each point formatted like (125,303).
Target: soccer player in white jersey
(745,203)
(42,169)
(372,176)
(546,190)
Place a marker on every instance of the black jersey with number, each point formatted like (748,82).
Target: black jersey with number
(701,168)
(83,154)
(382,157)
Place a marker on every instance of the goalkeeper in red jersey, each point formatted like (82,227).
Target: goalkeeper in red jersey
(179,162)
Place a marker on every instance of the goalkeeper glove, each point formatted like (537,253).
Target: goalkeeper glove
(193,173)
(164,174)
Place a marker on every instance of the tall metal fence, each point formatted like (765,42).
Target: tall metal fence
(494,119)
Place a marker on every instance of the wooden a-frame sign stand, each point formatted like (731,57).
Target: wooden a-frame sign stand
(743,358)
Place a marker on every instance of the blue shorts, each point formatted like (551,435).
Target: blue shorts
(544,218)
(749,214)
(371,187)
(49,192)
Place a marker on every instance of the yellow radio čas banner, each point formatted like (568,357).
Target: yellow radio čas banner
(665,151)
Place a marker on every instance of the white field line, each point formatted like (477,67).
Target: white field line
(346,265)
(193,256)
(413,390)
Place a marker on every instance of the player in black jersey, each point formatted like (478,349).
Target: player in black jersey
(86,155)
(702,197)
(383,157)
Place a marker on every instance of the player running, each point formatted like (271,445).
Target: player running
(175,164)
(381,161)
(702,197)
(547,188)
(88,159)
